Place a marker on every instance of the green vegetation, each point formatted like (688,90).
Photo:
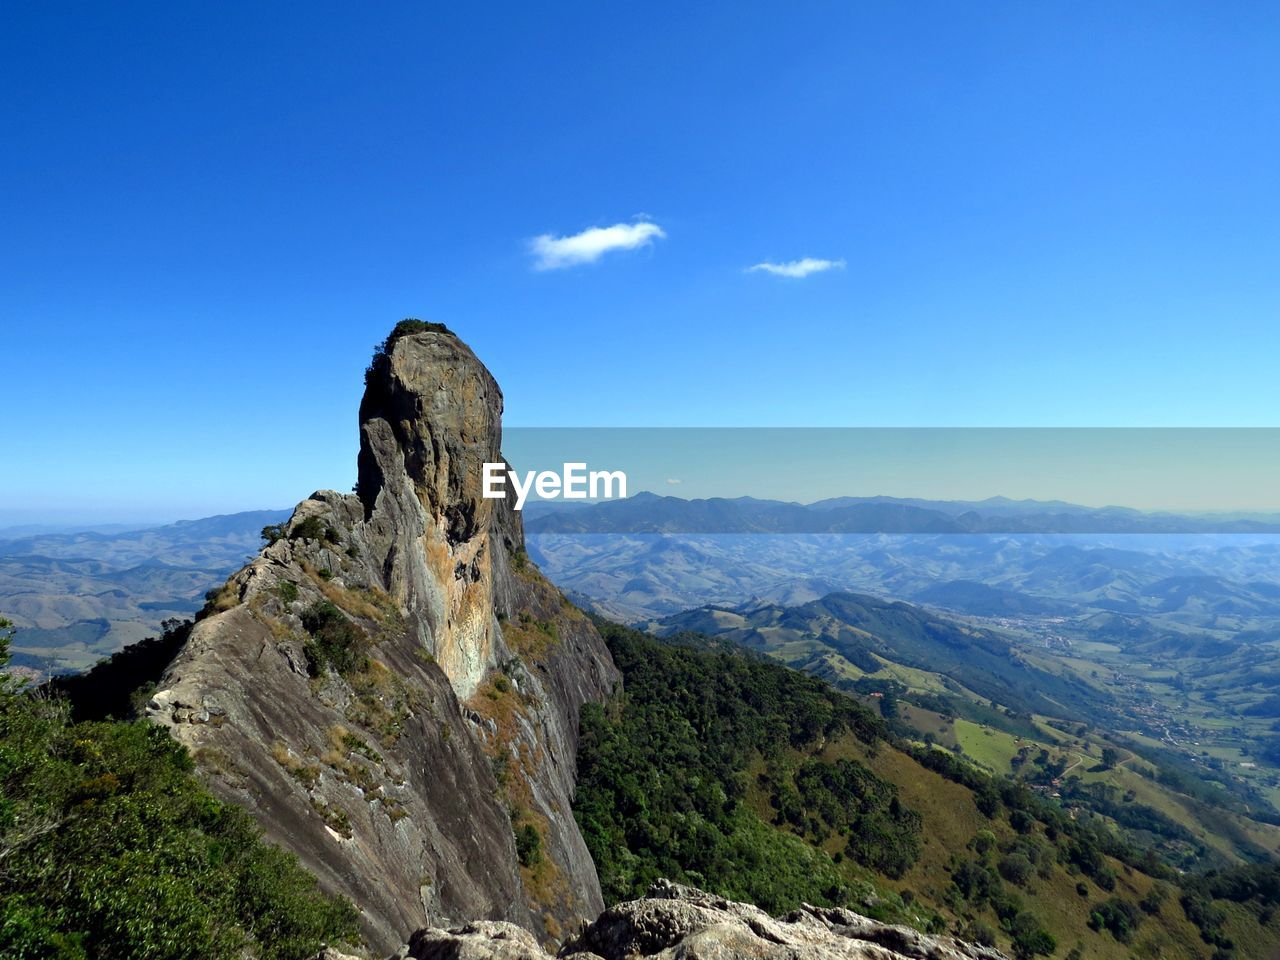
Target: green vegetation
(528,845)
(1196,805)
(1256,887)
(1164,658)
(405,328)
(313,528)
(110,847)
(336,642)
(847,799)
(309,528)
(663,779)
(1119,917)
(866,634)
(720,768)
(977,884)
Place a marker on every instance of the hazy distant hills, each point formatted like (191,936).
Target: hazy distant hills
(845,635)
(1214,582)
(77,597)
(971,596)
(650,513)
(185,543)
(1164,630)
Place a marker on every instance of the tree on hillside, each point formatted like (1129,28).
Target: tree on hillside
(110,847)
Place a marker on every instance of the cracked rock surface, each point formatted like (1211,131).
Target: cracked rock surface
(675,922)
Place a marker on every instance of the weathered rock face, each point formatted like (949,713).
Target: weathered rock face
(392,689)
(680,923)
(430,418)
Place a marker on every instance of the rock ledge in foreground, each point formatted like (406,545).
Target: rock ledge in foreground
(676,922)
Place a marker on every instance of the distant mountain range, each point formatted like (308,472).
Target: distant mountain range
(77,597)
(1214,582)
(650,513)
(1163,628)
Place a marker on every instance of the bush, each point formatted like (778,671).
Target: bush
(528,845)
(1206,915)
(1152,902)
(987,800)
(983,841)
(405,328)
(311,528)
(980,933)
(1021,821)
(336,642)
(1120,917)
(1033,942)
(1016,868)
(1105,878)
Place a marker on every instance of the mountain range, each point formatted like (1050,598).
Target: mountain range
(1210,582)
(454,756)
(79,596)
(650,513)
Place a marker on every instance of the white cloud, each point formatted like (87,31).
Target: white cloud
(673,481)
(553,253)
(795,269)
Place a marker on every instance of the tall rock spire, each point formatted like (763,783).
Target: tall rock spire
(390,687)
(430,418)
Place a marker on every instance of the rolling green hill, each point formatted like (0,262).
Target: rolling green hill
(864,631)
(724,769)
(1016,712)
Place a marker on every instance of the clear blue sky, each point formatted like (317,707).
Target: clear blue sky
(1048,214)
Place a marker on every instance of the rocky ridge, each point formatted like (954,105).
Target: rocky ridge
(391,688)
(676,922)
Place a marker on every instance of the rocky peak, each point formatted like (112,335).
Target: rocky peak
(391,688)
(430,418)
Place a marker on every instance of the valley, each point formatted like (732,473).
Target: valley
(1170,643)
(78,597)
(714,481)
(724,769)
(1043,743)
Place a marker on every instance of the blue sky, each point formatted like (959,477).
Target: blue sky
(1045,214)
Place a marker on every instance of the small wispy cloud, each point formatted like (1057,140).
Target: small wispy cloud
(673,481)
(553,253)
(795,269)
